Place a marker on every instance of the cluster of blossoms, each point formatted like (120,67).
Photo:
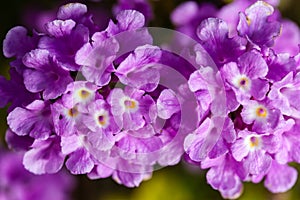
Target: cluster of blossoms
(111,103)
(17,183)
(257,56)
(79,97)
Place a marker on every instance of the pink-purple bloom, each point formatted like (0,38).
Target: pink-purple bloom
(114,102)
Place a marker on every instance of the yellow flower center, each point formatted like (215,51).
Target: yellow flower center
(102,120)
(73,112)
(261,112)
(130,104)
(84,94)
(254,142)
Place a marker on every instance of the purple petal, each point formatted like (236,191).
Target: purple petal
(97,69)
(258,162)
(230,71)
(224,178)
(271,143)
(167,104)
(70,144)
(187,9)
(100,140)
(280,178)
(46,74)
(65,43)
(44,157)
(142,6)
(64,119)
(259,88)
(100,171)
(229,133)
(131,175)
(34,121)
(127,20)
(253,65)
(71,11)
(290,34)
(17,42)
(256,26)
(280,65)
(196,145)
(18,142)
(239,149)
(60,28)
(138,69)
(213,34)
(143,150)
(80,162)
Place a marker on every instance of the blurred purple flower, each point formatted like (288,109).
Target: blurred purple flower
(18,183)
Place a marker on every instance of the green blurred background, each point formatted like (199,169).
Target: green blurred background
(181,182)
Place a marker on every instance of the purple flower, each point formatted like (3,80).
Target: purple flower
(65,119)
(213,35)
(230,14)
(254,151)
(129,31)
(225,174)
(44,157)
(131,178)
(44,74)
(172,149)
(79,93)
(34,120)
(140,146)
(77,12)
(256,26)
(126,20)
(289,38)
(285,95)
(280,178)
(97,58)
(100,119)
(123,171)
(17,43)
(279,65)
(288,132)
(263,117)
(246,78)
(167,104)
(16,142)
(210,139)
(142,6)
(199,84)
(64,39)
(207,85)
(131,108)
(79,159)
(187,16)
(101,126)
(14,91)
(140,69)
(18,183)
(100,171)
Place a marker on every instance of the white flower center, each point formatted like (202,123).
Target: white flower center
(242,82)
(129,104)
(102,118)
(253,142)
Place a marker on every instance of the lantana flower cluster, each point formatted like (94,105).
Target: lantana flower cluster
(112,103)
